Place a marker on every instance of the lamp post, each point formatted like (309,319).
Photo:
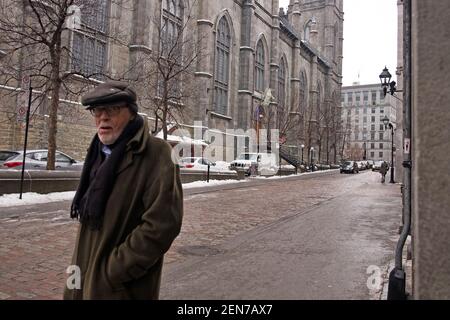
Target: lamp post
(385,78)
(311,163)
(387,123)
(365,151)
(302,146)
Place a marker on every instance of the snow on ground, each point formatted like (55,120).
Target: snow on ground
(198,184)
(298,174)
(10,200)
(223,166)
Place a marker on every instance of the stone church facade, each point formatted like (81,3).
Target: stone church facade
(250,46)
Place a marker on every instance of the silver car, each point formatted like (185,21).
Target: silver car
(37,160)
(5,155)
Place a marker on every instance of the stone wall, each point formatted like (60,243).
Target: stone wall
(431,149)
(75,129)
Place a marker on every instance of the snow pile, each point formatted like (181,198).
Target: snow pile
(223,166)
(277,176)
(198,184)
(28,198)
(12,199)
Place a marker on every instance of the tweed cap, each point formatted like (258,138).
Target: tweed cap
(109,94)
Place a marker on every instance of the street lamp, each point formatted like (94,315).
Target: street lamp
(365,151)
(302,146)
(385,78)
(387,123)
(312,164)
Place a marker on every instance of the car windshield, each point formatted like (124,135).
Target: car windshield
(347,163)
(247,156)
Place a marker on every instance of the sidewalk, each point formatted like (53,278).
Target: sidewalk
(39,239)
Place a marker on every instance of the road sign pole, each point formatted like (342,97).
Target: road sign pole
(30,90)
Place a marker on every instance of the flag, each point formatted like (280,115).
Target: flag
(258,113)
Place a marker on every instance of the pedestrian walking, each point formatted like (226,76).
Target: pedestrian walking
(129,202)
(355,167)
(383,170)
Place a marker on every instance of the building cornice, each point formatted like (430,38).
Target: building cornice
(218,115)
(205,21)
(140,47)
(203,74)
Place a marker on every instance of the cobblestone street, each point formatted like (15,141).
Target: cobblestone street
(37,241)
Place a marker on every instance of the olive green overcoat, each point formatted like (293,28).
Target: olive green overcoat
(123,260)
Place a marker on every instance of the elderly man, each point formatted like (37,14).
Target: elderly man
(129,202)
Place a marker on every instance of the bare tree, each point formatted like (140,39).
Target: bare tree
(355,152)
(289,120)
(36,37)
(166,77)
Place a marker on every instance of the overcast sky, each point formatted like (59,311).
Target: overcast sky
(370,39)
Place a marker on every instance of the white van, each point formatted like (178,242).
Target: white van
(266,163)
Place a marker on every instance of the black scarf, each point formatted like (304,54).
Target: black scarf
(98,177)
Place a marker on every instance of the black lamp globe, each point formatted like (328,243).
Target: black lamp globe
(385,121)
(385,77)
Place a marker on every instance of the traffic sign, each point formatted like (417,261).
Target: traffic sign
(25,81)
(22,111)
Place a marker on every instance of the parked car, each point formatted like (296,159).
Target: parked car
(377,166)
(322,166)
(266,163)
(361,165)
(309,167)
(196,163)
(5,155)
(349,167)
(201,163)
(37,160)
(370,163)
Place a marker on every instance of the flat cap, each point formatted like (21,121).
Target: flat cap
(109,94)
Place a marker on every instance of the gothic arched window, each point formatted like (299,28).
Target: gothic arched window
(282,83)
(172,19)
(308,28)
(221,81)
(302,93)
(90,42)
(259,67)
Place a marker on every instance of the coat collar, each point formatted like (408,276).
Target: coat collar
(136,145)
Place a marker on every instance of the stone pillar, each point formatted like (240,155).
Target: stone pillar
(329,32)
(295,88)
(294,15)
(314,36)
(291,4)
(245,92)
(398,138)
(313,100)
(205,65)
(329,42)
(141,22)
(141,29)
(274,54)
(430,149)
(274,61)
